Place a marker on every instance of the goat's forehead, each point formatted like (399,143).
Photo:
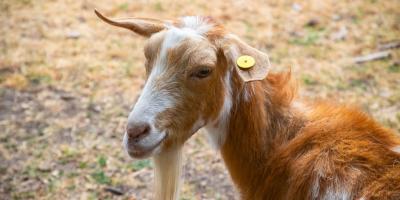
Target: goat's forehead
(160,43)
(201,25)
(189,27)
(178,43)
(174,36)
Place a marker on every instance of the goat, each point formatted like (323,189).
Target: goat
(275,144)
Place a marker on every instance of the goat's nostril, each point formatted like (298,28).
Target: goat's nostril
(137,131)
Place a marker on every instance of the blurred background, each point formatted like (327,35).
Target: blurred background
(68,81)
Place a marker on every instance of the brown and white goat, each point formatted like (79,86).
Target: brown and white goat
(275,145)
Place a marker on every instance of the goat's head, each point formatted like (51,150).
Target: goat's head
(192,76)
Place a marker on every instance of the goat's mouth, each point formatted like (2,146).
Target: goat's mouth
(146,147)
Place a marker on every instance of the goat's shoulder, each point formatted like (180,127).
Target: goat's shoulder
(336,153)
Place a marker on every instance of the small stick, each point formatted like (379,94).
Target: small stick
(390,45)
(114,190)
(372,56)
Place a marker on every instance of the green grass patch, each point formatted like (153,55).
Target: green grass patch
(123,6)
(308,80)
(138,165)
(101,178)
(311,38)
(158,6)
(24,195)
(83,165)
(93,196)
(24,1)
(395,68)
(361,83)
(68,154)
(128,69)
(31,171)
(37,78)
(72,175)
(71,187)
(102,161)
(52,184)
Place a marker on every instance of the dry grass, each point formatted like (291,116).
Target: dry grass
(67,82)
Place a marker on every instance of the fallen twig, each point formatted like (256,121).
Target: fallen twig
(114,190)
(373,56)
(389,45)
(136,173)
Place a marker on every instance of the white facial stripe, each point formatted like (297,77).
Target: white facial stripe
(152,101)
(172,38)
(217,135)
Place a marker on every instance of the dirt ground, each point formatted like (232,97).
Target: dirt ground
(68,81)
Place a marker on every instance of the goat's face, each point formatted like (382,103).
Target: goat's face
(182,91)
(190,67)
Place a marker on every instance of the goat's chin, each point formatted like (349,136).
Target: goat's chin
(145,148)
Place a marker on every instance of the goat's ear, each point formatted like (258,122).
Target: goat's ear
(234,48)
(142,26)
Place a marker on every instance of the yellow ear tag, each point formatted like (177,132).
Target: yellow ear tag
(245,62)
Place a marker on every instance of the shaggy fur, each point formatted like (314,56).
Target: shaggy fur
(275,145)
(281,147)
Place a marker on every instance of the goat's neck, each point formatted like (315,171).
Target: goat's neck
(260,121)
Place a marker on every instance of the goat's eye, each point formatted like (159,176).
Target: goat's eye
(202,72)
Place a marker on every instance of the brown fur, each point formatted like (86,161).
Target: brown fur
(283,152)
(275,150)
(278,146)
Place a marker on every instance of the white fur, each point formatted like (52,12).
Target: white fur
(301,107)
(217,134)
(315,188)
(247,93)
(217,131)
(336,190)
(197,24)
(337,193)
(152,101)
(172,38)
(396,149)
(167,168)
(333,192)
(192,29)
